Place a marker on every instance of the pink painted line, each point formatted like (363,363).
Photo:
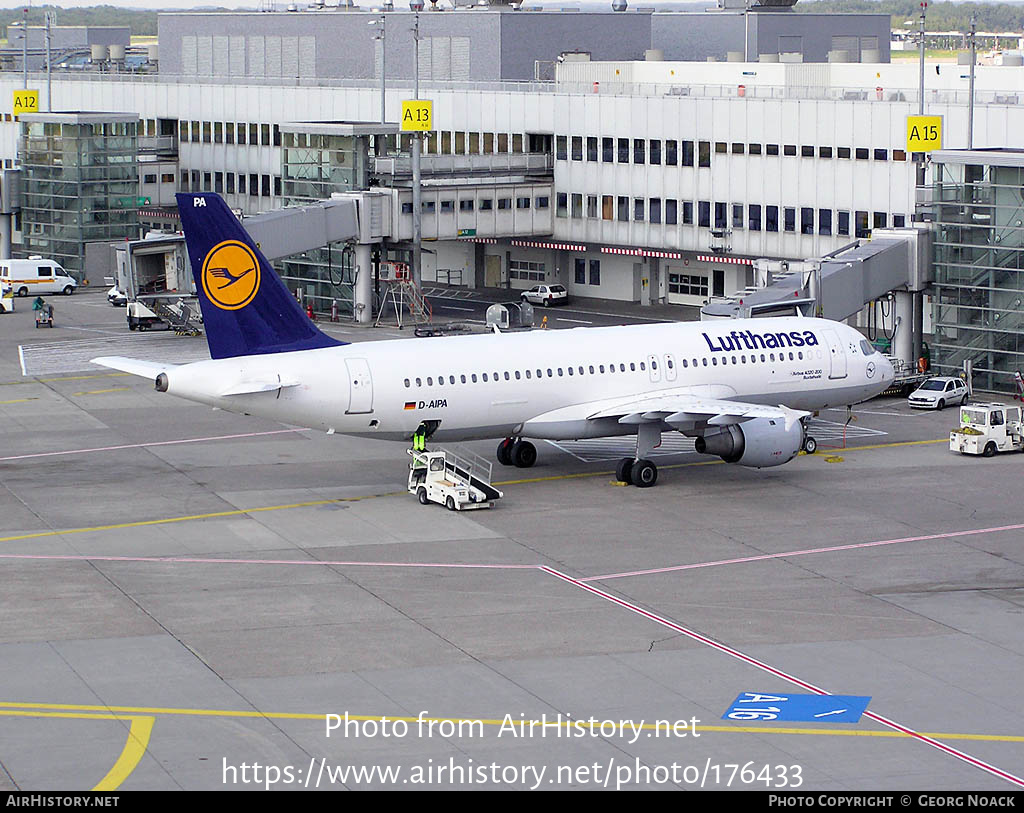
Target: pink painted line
(735,653)
(787,554)
(145,445)
(202,561)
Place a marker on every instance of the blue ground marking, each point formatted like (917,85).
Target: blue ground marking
(808,708)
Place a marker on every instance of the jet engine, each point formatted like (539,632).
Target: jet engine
(758,443)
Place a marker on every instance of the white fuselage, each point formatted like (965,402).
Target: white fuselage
(495,385)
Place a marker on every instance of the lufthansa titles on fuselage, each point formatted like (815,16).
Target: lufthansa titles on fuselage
(750,340)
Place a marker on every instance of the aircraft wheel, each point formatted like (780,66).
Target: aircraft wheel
(624,471)
(645,474)
(524,454)
(810,445)
(421,495)
(505,452)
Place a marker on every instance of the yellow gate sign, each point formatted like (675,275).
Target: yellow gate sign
(26,101)
(924,133)
(418,115)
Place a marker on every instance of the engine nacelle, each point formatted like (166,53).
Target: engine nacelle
(759,443)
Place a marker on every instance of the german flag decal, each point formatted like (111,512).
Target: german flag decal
(410,405)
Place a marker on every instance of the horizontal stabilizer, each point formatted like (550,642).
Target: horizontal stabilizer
(146,369)
(252,385)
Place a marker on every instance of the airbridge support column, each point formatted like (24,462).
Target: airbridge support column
(903,316)
(362,294)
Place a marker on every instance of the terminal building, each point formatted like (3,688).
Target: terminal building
(599,150)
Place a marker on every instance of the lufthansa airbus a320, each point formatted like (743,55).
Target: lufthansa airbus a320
(744,389)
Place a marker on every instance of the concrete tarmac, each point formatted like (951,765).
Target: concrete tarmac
(188,595)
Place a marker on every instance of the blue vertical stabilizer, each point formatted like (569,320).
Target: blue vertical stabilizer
(247,309)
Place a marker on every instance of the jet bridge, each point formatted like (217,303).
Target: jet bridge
(362,218)
(840,284)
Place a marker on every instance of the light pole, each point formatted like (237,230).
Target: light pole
(417,230)
(381,37)
(24,46)
(970,90)
(51,20)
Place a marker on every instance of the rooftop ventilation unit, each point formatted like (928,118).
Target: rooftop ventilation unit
(619,5)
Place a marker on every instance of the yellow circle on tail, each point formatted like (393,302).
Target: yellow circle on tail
(231,275)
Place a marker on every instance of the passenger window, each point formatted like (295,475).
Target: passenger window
(654,365)
(462,378)
(430,381)
(540,373)
(407,382)
(559,371)
(451,379)
(591,369)
(473,378)
(527,373)
(581,370)
(705,360)
(506,375)
(714,361)
(485,377)
(600,367)
(622,368)
(632,367)
(517,375)
(734,359)
(419,383)
(684,363)
(550,373)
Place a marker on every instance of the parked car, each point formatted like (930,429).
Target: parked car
(938,393)
(546,295)
(116,298)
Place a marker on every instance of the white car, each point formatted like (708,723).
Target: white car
(546,295)
(116,298)
(938,393)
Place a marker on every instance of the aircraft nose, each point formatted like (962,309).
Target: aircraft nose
(886,369)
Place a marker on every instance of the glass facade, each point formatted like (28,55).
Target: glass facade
(315,165)
(978,221)
(80,184)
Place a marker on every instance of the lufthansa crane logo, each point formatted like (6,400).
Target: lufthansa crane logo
(231,275)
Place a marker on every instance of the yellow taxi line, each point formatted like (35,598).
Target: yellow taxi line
(280,715)
(134,747)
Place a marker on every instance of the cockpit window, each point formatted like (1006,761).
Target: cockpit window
(866,348)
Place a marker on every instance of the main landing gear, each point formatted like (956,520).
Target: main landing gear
(640,471)
(517,452)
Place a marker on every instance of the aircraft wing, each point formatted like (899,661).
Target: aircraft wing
(146,369)
(680,410)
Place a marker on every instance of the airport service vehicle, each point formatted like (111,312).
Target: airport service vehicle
(986,429)
(457,483)
(116,298)
(546,295)
(36,276)
(743,389)
(938,393)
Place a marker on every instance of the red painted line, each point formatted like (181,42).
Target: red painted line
(145,445)
(198,560)
(787,554)
(734,653)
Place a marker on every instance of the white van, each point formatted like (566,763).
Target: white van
(36,276)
